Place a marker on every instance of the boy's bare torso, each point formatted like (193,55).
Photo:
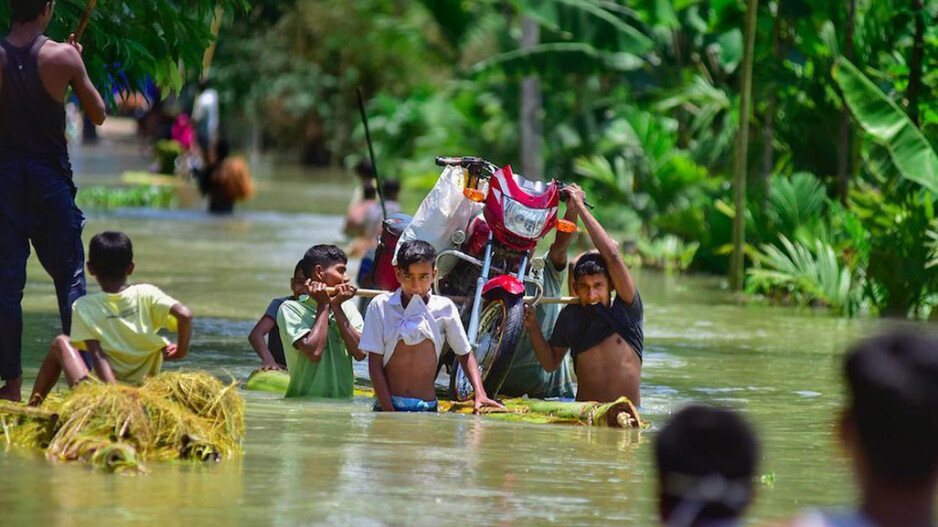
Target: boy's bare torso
(608,371)
(411,371)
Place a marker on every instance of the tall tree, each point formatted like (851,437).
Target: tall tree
(742,149)
(532,159)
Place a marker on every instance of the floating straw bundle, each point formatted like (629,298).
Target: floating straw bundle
(204,396)
(178,415)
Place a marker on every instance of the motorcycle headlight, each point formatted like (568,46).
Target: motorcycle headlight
(524,221)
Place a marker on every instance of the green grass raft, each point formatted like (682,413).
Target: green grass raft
(617,414)
(173,416)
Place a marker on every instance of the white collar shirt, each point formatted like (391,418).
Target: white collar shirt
(388,322)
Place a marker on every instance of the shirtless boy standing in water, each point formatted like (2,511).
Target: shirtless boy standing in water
(404,334)
(603,334)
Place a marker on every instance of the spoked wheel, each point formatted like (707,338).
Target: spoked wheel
(500,328)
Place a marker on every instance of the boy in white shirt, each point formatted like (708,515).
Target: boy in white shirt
(404,334)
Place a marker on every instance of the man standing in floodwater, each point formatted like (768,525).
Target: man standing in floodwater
(37,195)
(605,336)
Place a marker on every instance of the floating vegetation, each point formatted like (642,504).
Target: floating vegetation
(620,413)
(268,381)
(176,415)
(107,198)
(617,414)
(203,395)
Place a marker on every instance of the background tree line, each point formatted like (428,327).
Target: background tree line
(639,101)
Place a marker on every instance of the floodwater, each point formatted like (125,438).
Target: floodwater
(338,463)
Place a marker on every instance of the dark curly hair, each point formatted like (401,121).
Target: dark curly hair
(415,252)
(324,255)
(892,388)
(26,10)
(590,264)
(110,253)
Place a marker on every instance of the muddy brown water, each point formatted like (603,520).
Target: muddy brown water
(338,463)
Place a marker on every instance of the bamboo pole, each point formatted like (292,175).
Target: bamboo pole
(30,412)
(84,19)
(209,55)
(371,293)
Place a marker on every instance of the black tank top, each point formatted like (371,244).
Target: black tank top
(32,123)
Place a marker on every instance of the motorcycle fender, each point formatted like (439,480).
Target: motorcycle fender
(506,282)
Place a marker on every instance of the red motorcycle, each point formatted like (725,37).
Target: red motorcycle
(493,261)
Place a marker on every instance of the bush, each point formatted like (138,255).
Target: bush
(804,273)
(107,198)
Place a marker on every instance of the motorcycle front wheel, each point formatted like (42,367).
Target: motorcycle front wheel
(501,324)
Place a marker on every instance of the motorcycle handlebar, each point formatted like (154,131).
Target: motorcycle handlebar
(564,196)
(464,162)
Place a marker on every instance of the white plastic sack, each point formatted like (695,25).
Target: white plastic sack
(444,211)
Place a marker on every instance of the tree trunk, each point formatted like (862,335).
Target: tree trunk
(532,159)
(915,65)
(843,150)
(742,150)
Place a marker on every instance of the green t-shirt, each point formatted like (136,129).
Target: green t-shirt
(526,375)
(332,376)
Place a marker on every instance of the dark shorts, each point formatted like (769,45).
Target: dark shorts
(408,404)
(37,205)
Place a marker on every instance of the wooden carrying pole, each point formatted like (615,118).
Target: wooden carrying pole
(28,411)
(371,293)
(84,20)
(209,55)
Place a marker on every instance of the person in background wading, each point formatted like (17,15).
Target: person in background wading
(37,195)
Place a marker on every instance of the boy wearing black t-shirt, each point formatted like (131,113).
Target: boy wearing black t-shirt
(605,335)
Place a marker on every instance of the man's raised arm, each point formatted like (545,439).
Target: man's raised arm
(88,96)
(608,248)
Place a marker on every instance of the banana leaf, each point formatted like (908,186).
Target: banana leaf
(268,381)
(913,156)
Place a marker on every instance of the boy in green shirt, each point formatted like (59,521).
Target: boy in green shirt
(118,326)
(321,333)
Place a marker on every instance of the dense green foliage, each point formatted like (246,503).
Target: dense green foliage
(132,42)
(640,105)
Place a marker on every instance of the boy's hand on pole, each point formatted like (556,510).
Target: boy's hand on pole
(73,41)
(319,293)
(170,351)
(343,293)
(530,317)
(270,366)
